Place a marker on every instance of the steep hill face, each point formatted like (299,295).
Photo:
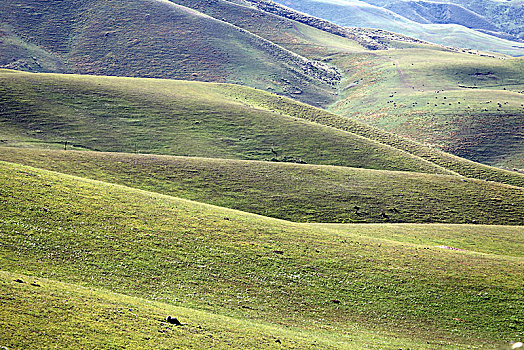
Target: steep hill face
(152,38)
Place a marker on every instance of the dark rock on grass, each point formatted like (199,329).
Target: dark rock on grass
(18,280)
(173,320)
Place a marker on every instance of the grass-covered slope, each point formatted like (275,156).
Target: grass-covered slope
(489,239)
(466,104)
(70,317)
(446,160)
(152,38)
(65,316)
(469,126)
(295,192)
(285,29)
(194,255)
(208,120)
(177,118)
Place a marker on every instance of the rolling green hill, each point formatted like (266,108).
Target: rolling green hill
(206,120)
(456,164)
(490,136)
(321,280)
(467,105)
(146,38)
(57,313)
(256,220)
(177,118)
(254,44)
(296,192)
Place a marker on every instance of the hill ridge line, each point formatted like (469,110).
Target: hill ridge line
(437,166)
(327,226)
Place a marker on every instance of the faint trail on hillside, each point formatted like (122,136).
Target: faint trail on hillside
(401,74)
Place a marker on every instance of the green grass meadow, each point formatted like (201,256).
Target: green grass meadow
(468,105)
(391,219)
(177,118)
(296,192)
(245,266)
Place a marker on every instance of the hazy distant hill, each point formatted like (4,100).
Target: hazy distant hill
(445,26)
(507,17)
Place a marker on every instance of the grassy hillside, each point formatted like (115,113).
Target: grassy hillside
(468,129)
(412,76)
(293,35)
(106,319)
(71,317)
(241,43)
(195,119)
(488,239)
(468,105)
(146,38)
(295,192)
(245,266)
(177,118)
(458,165)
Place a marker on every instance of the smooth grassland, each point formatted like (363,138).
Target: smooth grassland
(445,160)
(152,39)
(247,266)
(176,118)
(296,192)
(488,239)
(468,105)
(65,316)
(209,120)
(69,316)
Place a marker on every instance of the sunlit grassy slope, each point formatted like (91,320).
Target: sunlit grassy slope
(68,316)
(150,38)
(469,105)
(483,126)
(245,266)
(296,36)
(451,162)
(71,317)
(236,42)
(296,192)
(177,118)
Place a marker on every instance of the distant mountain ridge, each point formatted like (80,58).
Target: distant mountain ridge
(506,16)
(444,13)
(434,22)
